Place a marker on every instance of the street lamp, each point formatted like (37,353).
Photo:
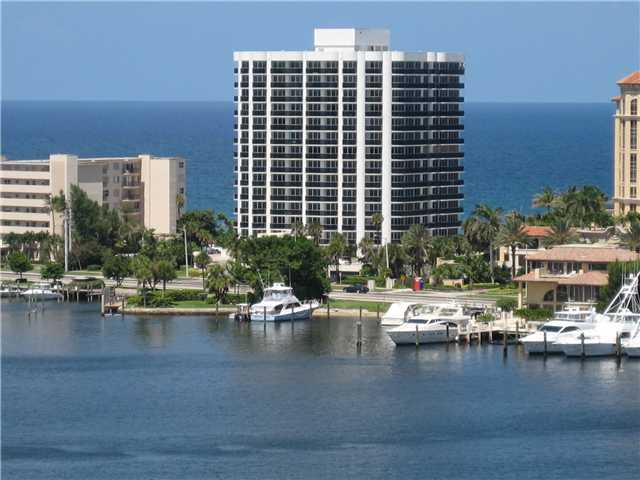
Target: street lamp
(186,257)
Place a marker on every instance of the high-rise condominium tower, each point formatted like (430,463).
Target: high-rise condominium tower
(625,155)
(358,138)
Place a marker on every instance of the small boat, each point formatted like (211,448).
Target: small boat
(41,291)
(280,304)
(422,330)
(9,291)
(398,313)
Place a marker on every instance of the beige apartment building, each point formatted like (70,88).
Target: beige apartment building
(143,187)
(625,155)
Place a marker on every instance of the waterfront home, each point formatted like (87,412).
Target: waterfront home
(567,274)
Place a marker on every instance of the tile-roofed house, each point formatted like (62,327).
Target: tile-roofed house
(632,79)
(568,274)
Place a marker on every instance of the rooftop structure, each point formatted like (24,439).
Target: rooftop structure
(348,134)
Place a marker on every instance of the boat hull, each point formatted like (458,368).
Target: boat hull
(297,314)
(424,336)
(43,296)
(535,347)
(633,351)
(591,349)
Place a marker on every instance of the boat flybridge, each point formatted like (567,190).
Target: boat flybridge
(431,324)
(41,291)
(564,321)
(611,329)
(400,312)
(280,304)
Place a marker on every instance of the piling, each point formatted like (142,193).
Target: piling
(359,334)
(517,332)
(582,344)
(102,304)
(618,345)
(417,339)
(504,339)
(447,332)
(292,318)
(360,314)
(378,312)
(545,342)
(328,312)
(264,315)
(123,302)
(490,332)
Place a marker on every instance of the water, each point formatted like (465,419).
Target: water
(192,397)
(512,150)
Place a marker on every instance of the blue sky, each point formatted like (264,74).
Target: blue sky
(534,52)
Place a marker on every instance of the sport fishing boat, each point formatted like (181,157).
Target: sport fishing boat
(431,324)
(612,328)
(564,321)
(632,346)
(280,304)
(41,291)
(399,313)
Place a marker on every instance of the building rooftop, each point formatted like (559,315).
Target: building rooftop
(537,230)
(632,79)
(584,253)
(351,39)
(594,278)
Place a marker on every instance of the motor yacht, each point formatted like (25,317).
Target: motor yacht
(41,291)
(564,321)
(611,329)
(399,313)
(433,330)
(279,304)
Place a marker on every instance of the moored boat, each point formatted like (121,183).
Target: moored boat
(41,291)
(279,304)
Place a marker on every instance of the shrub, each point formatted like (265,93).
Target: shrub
(486,317)
(507,304)
(534,314)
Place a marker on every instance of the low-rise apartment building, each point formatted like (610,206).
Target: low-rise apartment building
(143,187)
(568,274)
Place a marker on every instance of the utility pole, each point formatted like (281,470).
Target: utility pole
(66,239)
(186,257)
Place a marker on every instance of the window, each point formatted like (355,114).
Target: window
(634,134)
(634,106)
(633,168)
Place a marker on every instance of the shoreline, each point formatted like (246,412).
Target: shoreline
(320,312)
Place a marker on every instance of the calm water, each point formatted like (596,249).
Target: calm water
(512,150)
(167,398)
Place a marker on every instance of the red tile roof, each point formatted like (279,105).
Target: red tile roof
(633,79)
(594,278)
(617,98)
(537,230)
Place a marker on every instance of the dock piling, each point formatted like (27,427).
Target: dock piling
(582,344)
(378,312)
(417,339)
(359,334)
(618,345)
(545,342)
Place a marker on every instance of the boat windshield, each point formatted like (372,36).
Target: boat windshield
(418,321)
(273,294)
(550,328)
(448,311)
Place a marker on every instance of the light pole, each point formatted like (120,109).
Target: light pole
(186,257)
(67,235)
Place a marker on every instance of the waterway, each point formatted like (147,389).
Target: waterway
(200,397)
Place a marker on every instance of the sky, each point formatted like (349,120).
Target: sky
(515,52)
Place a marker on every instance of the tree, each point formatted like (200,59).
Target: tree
(201,226)
(416,242)
(141,267)
(314,230)
(163,271)
(513,235)
(116,268)
(202,261)
(52,271)
(630,236)
(377,219)
(179,204)
(336,250)
(561,233)
(297,228)
(19,263)
(545,199)
(481,229)
(57,204)
(218,282)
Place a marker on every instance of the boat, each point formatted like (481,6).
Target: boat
(41,291)
(422,330)
(398,313)
(632,346)
(611,329)
(279,304)
(7,291)
(564,322)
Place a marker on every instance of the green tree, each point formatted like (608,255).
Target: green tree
(141,267)
(545,199)
(336,250)
(481,230)
(376,220)
(297,228)
(19,263)
(218,282)
(163,271)
(416,243)
(630,236)
(202,261)
(314,230)
(179,204)
(513,235)
(52,271)
(116,268)
(561,233)
(201,226)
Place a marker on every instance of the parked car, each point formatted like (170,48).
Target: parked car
(21,281)
(356,288)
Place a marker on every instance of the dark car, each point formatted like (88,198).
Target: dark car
(356,288)
(21,280)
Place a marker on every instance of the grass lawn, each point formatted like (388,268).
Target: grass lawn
(356,304)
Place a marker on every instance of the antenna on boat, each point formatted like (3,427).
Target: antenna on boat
(260,278)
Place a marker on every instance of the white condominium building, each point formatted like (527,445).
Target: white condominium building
(145,188)
(345,132)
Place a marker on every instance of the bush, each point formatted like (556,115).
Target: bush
(185,294)
(94,268)
(507,304)
(153,300)
(486,317)
(534,314)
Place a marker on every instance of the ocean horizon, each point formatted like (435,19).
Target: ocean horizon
(512,150)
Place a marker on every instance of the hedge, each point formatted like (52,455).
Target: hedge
(534,314)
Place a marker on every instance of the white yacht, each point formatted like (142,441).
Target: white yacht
(564,321)
(280,304)
(399,313)
(425,330)
(632,346)
(611,329)
(41,291)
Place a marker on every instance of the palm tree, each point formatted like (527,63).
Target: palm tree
(630,237)
(202,261)
(297,228)
(56,205)
(512,234)
(314,230)
(561,233)
(481,229)
(179,204)
(376,220)
(336,250)
(545,199)
(416,242)
(218,281)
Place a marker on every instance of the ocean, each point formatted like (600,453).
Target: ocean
(512,150)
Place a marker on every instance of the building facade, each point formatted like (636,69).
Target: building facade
(347,131)
(568,274)
(625,154)
(144,188)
